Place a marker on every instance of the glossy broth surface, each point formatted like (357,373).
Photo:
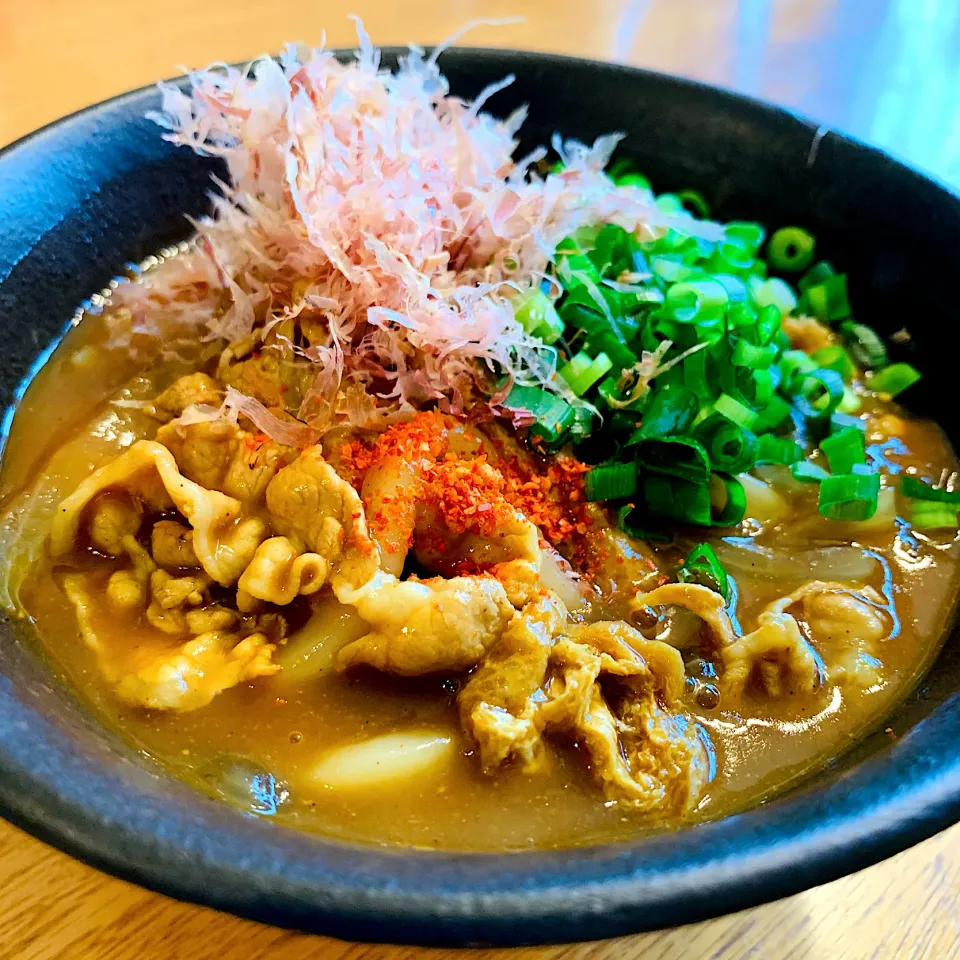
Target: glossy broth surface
(256,745)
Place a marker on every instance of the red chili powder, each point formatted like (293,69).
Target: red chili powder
(473,494)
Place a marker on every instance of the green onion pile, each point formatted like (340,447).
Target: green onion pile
(685,377)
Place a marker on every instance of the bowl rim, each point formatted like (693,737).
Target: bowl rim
(358,892)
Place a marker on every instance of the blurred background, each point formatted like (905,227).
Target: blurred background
(887,71)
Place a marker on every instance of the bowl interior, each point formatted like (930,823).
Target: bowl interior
(89,194)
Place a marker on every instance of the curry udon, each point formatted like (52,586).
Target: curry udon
(430,496)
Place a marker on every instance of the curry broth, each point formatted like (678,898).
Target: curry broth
(270,734)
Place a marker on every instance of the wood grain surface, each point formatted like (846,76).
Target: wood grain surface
(886,70)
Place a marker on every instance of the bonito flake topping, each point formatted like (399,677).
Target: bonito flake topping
(392,215)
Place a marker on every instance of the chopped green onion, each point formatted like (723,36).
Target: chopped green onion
(790,248)
(611,481)
(669,203)
(734,410)
(632,180)
(573,269)
(623,174)
(849,497)
(582,371)
(611,393)
(776,412)
(584,420)
(771,449)
(768,324)
(816,274)
(537,315)
(763,383)
(697,249)
(926,515)
(836,358)
(841,420)
(671,410)
(731,448)
(714,413)
(577,364)
(746,354)
(583,317)
(734,505)
(610,304)
(673,271)
(609,343)
(742,319)
(921,490)
(867,348)
(553,414)
(695,374)
(585,237)
(675,456)
(708,331)
(611,243)
(624,421)
(634,524)
(820,393)
(703,566)
(894,379)
(552,429)
(828,299)
(621,166)
(735,287)
(745,234)
(656,328)
(793,365)
(807,472)
(844,450)
(741,384)
(693,200)
(774,293)
(695,300)
(676,499)
(731,258)
(851,402)
(641,266)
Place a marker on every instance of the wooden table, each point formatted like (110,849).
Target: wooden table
(886,70)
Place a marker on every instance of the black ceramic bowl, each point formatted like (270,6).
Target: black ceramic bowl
(82,197)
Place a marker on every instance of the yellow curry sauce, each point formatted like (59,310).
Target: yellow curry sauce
(258,743)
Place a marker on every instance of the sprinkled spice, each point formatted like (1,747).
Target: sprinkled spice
(255,442)
(553,500)
(473,494)
(422,438)
(468,494)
